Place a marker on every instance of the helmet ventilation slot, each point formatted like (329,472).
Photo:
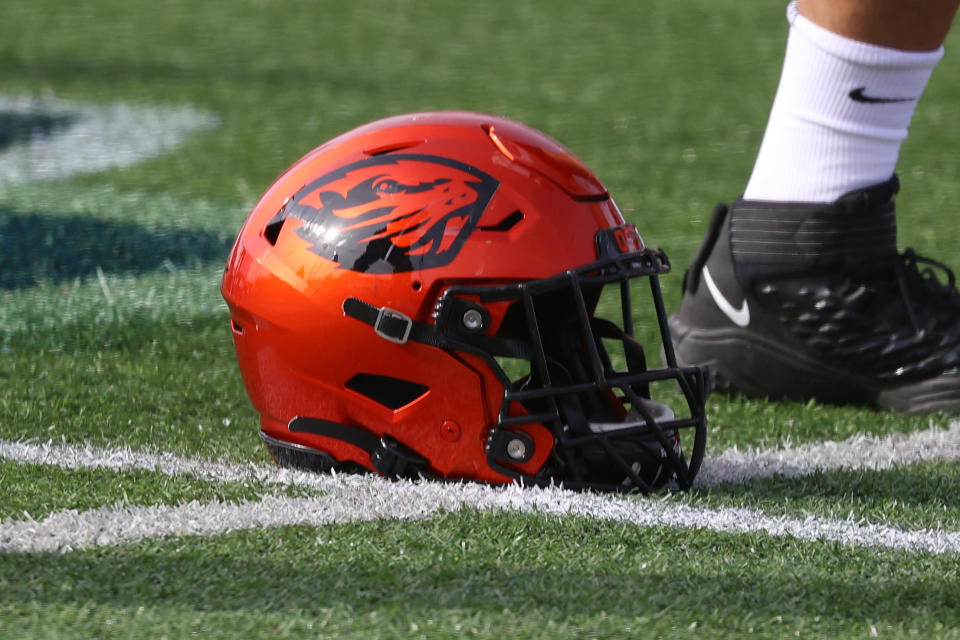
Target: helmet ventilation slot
(393,393)
(506,224)
(272,231)
(391,148)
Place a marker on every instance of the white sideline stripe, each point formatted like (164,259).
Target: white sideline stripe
(859,452)
(353,498)
(361,498)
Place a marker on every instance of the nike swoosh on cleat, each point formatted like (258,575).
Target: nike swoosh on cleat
(739,317)
(857,95)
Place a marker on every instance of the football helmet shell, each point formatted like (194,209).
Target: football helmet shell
(381,284)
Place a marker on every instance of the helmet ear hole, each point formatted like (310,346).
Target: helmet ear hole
(516,369)
(392,393)
(272,231)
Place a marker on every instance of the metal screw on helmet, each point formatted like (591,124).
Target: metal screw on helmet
(516,449)
(473,320)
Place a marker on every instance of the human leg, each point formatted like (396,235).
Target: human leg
(798,289)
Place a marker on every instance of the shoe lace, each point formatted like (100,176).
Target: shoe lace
(920,285)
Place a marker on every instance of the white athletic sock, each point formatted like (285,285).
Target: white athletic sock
(841,111)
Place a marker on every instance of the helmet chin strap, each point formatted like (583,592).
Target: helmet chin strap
(391,458)
(395,326)
(606,439)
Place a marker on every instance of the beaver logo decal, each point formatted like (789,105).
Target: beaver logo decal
(391,213)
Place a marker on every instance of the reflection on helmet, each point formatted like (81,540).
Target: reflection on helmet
(456,295)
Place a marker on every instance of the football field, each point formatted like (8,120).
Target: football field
(136,500)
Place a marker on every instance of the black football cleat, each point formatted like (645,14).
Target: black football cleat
(801,301)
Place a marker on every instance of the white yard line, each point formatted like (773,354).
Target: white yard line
(354,498)
(733,465)
(855,453)
(361,498)
(87,457)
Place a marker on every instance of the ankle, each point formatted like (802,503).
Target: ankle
(841,111)
(856,232)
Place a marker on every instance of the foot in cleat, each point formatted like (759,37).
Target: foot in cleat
(809,300)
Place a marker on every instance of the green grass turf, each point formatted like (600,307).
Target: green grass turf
(170,386)
(482,575)
(919,496)
(112,331)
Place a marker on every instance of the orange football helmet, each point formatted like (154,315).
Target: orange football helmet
(419,297)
